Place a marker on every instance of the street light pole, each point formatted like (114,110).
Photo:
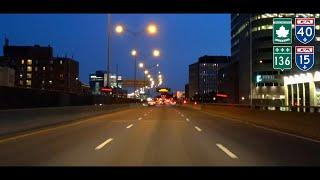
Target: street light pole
(108,41)
(135,74)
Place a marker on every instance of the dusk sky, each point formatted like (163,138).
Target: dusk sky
(182,39)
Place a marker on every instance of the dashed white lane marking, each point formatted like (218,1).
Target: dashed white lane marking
(198,129)
(187,119)
(140,118)
(129,126)
(227,151)
(103,144)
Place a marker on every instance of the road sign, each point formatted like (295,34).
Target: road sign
(305,29)
(282,30)
(304,57)
(282,57)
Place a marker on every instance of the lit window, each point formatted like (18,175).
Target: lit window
(29,68)
(28,82)
(42,82)
(317,38)
(50,82)
(21,75)
(22,61)
(44,68)
(29,62)
(29,75)
(60,61)
(317,27)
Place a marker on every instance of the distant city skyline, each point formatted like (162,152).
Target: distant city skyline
(182,39)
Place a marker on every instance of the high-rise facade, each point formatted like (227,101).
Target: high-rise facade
(251,47)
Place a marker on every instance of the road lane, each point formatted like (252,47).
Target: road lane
(66,145)
(256,146)
(162,137)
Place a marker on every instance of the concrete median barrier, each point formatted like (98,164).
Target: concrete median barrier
(17,120)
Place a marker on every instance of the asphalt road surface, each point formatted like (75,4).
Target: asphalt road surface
(157,136)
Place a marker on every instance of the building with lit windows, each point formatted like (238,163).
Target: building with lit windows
(251,47)
(98,80)
(35,67)
(203,76)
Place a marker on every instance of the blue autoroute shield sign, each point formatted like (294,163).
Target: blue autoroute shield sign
(304,57)
(305,29)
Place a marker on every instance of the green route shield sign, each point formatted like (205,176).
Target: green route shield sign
(282,30)
(282,57)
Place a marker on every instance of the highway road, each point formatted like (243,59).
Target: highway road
(157,136)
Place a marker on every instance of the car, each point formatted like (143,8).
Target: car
(151,103)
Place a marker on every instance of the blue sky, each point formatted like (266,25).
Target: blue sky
(182,39)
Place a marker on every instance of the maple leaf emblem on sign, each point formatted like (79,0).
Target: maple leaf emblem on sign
(282,32)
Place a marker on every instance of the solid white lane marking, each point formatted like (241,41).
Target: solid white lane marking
(198,129)
(129,126)
(140,118)
(227,151)
(187,120)
(103,144)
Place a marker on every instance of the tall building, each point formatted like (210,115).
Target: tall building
(186,90)
(203,75)
(251,47)
(229,83)
(98,80)
(35,67)
(6,76)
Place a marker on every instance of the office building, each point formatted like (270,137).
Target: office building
(6,76)
(251,47)
(35,67)
(203,75)
(98,80)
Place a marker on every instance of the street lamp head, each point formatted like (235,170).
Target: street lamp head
(149,76)
(152,29)
(141,65)
(159,72)
(133,52)
(146,72)
(119,29)
(157,65)
(156,53)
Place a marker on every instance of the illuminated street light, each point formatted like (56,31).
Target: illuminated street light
(156,53)
(159,72)
(119,29)
(146,72)
(141,65)
(149,76)
(157,65)
(152,29)
(133,52)
(160,76)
